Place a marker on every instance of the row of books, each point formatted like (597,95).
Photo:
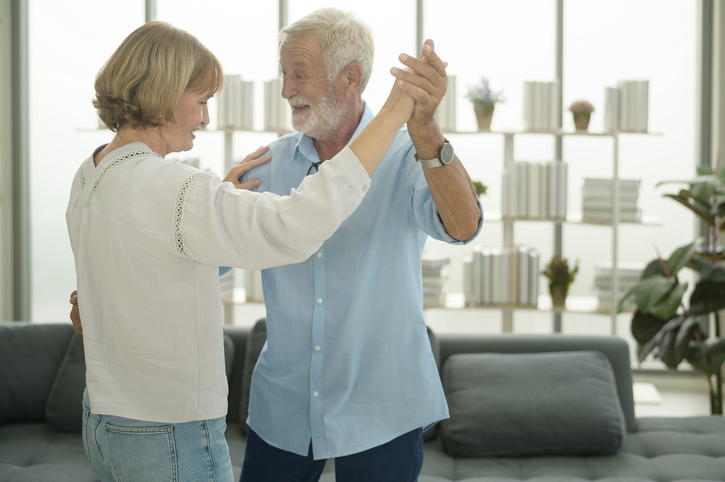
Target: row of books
(598,200)
(533,190)
(235,106)
(446,110)
(501,276)
(627,106)
(628,274)
(541,105)
(435,275)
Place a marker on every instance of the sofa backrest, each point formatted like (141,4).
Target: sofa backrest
(614,348)
(30,355)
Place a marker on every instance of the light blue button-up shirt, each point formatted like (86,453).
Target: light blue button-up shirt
(347,364)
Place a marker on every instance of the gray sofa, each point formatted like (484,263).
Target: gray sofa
(536,408)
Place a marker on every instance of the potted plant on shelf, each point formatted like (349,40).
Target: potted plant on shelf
(662,323)
(480,187)
(484,101)
(582,111)
(560,277)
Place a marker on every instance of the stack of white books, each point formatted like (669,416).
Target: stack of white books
(277,111)
(533,190)
(253,286)
(627,106)
(226,285)
(235,106)
(501,276)
(446,111)
(598,199)
(435,274)
(628,274)
(541,106)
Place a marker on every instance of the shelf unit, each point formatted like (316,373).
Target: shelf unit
(508,228)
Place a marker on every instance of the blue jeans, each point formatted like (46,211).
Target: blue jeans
(133,450)
(399,460)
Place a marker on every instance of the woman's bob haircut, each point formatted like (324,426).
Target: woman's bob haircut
(145,77)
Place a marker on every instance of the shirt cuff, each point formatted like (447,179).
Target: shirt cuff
(352,170)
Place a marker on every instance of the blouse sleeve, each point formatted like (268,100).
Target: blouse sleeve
(217,224)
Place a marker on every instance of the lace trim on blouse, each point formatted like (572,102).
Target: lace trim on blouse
(179,215)
(82,177)
(112,164)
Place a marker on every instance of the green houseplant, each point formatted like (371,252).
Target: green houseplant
(561,276)
(480,188)
(582,112)
(484,101)
(662,323)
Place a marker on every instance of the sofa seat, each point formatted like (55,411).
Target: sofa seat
(36,452)
(663,449)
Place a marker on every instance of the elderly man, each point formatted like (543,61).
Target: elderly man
(347,371)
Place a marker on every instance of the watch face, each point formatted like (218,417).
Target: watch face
(447,153)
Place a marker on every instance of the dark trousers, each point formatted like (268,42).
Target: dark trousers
(399,460)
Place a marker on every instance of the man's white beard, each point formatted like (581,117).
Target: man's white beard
(323,120)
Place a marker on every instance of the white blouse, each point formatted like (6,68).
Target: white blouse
(148,237)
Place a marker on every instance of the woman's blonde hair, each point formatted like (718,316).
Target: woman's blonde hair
(145,77)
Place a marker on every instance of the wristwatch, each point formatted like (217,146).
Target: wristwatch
(445,156)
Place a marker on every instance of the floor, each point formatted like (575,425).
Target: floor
(658,392)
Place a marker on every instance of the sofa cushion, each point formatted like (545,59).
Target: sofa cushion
(531,404)
(255,342)
(63,410)
(25,381)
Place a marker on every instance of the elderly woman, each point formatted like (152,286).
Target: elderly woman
(148,237)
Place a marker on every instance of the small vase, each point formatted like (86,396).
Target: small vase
(581,121)
(558,295)
(484,114)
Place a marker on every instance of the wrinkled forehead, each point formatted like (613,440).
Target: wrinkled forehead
(302,52)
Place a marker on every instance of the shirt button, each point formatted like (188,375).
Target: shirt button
(319,300)
(317,348)
(319,255)
(315,394)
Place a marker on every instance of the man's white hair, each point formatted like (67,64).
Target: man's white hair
(344,39)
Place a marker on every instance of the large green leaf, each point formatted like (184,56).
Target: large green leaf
(705,170)
(668,306)
(701,209)
(680,257)
(709,271)
(686,333)
(654,267)
(658,340)
(704,187)
(707,297)
(645,326)
(708,355)
(666,350)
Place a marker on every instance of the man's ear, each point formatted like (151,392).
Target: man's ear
(352,78)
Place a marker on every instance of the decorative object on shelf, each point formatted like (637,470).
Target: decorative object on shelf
(277,111)
(627,106)
(501,276)
(235,105)
(628,274)
(541,106)
(446,110)
(480,187)
(598,199)
(560,277)
(534,190)
(435,273)
(582,112)
(662,324)
(484,101)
